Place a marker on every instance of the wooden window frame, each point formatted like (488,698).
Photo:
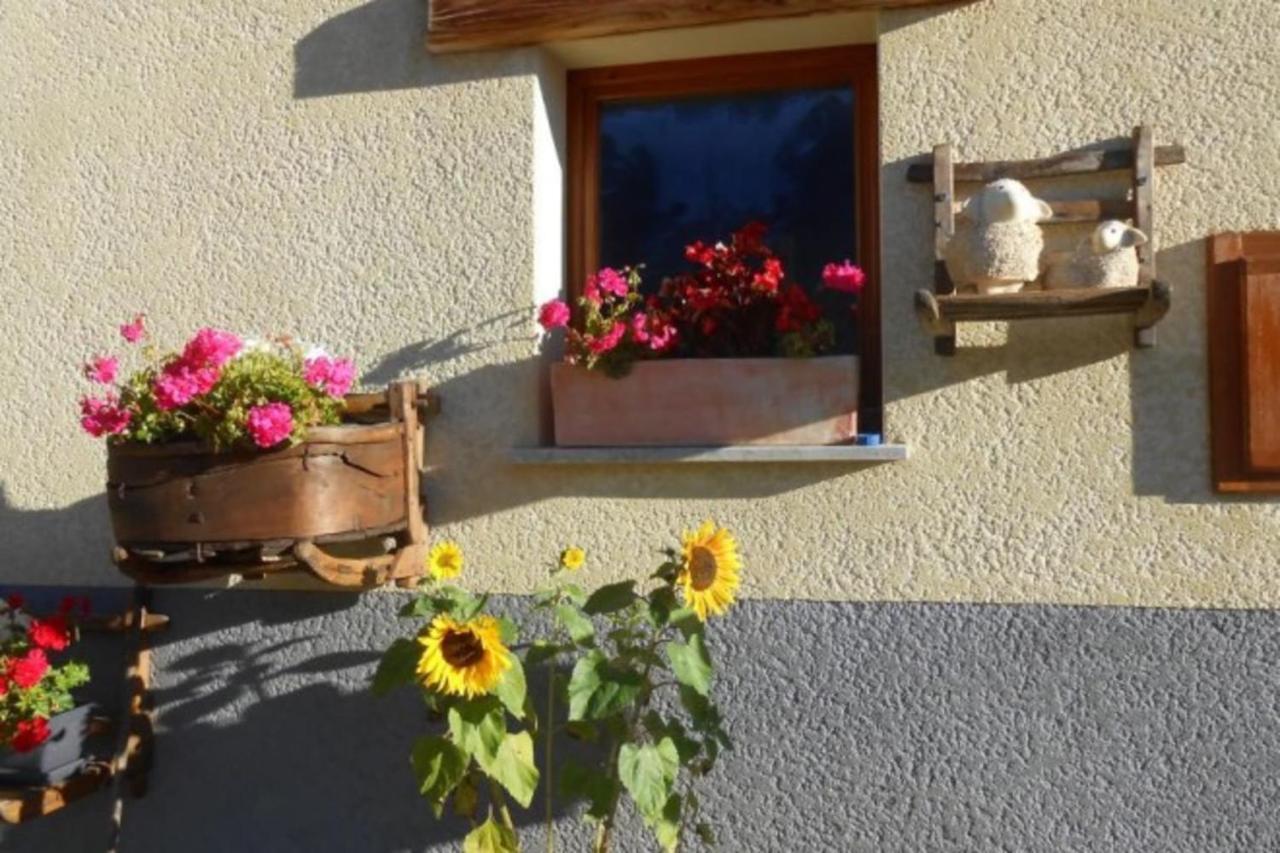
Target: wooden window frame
(854,66)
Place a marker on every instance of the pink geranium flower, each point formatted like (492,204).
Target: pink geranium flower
(101,416)
(608,340)
(102,369)
(554,315)
(844,277)
(334,376)
(211,348)
(136,330)
(608,281)
(270,424)
(180,382)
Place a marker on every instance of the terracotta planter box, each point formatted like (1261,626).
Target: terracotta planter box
(708,402)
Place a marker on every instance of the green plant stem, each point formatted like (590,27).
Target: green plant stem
(550,775)
(629,720)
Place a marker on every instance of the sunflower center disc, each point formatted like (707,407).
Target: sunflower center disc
(702,568)
(461,648)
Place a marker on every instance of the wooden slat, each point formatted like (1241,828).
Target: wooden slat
(457,25)
(1260,319)
(1077,211)
(977,307)
(1084,162)
(944,228)
(1144,191)
(18,805)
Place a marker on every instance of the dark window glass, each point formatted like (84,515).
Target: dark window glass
(697,168)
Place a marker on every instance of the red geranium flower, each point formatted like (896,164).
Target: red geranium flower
(15,601)
(29,734)
(27,670)
(51,633)
(797,310)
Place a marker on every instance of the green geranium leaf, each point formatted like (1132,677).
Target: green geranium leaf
(578,626)
(691,663)
(399,665)
(478,726)
(490,837)
(512,689)
(611,598)
(648,772)
(598,689)
(513,767)
(439,765)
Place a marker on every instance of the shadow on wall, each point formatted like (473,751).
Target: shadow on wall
(379,46)
(56,538)
(490,410)
(274,731)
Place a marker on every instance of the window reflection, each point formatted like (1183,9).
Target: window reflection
(698,168)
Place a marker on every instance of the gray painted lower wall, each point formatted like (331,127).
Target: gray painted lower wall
(858,728)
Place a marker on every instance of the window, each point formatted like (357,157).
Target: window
(664,154)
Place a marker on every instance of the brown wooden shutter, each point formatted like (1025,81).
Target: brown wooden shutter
(1244,360)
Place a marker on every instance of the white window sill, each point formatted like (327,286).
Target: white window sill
(837,454)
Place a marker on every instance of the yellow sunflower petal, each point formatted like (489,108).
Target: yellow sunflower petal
(464,659)
(573,558)
(709,567)
(445,561)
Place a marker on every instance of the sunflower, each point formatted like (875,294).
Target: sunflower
(445,561)
(709,569)
(572,558)
(462,658)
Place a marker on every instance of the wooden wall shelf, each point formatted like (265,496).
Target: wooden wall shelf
(942,308)
(1147,304)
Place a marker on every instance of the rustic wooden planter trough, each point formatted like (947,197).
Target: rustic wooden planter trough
(343,505)
(708,403)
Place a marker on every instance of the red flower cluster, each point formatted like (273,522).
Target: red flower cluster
(737,302)
(28,734)
(31,687)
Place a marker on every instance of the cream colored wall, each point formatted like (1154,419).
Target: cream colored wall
(306,167)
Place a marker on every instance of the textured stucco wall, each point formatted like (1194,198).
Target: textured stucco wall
(876,728)
(306,167)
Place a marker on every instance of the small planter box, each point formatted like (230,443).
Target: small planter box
(708,402)
(181,512)
(58,758)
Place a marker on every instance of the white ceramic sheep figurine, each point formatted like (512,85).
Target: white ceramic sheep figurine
(1108,258)
(998,242)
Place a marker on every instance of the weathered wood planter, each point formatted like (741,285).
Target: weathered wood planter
(343,505)
(708,402)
